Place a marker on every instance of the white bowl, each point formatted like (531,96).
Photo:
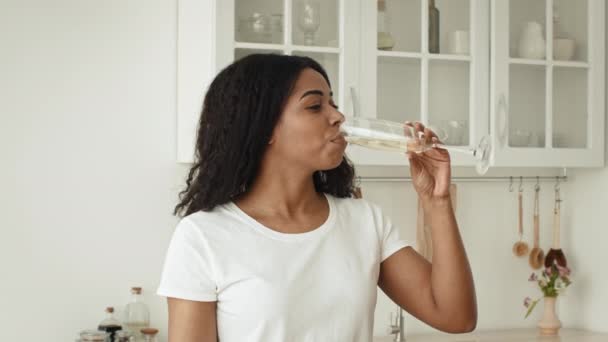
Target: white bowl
(563,49)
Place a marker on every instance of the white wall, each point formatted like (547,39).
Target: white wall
(586,234)
(88,178)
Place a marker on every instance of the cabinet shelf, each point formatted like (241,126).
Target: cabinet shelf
(570,64)
(259,46)
(419,55)
(280,47)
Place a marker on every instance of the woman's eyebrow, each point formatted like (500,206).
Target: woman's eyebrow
(316,92)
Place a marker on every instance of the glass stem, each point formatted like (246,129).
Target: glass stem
(456,149)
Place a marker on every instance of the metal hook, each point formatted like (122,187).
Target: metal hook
(537,186)
(511,184)
(521,183)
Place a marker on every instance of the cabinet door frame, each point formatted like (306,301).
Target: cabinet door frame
(507,156)
(479,67)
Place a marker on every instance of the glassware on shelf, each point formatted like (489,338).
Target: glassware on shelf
(393,136)
(563,46)
(309,19)
(276,24)
(385,39)
(456,132)
(136,315)
(255,28)
(433,27)
(110,324)
(149,334)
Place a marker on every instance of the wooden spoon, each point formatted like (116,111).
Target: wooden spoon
(520,248)
(537,256)
(556,254)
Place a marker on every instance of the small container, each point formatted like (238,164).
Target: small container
(124,336)
(94,336)
(149,334)
(110,324)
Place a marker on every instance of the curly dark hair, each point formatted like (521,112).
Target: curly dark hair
(241,108)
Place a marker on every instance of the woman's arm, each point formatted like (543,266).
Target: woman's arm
(191,321)
(442,294)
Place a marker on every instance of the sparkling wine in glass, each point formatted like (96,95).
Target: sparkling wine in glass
(393,136)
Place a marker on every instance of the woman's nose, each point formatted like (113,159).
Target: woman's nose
(337,117)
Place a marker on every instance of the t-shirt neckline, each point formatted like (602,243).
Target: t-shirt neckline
(269,232)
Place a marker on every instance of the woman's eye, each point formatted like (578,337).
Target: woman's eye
(315,108)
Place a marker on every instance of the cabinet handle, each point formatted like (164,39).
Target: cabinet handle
(502,111)
(355,101)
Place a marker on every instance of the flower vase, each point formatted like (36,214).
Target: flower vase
(549,324)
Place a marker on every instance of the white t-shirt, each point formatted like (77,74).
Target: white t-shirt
(270,286)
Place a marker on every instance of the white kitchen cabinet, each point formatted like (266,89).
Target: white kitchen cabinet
(546,111)
(482,91)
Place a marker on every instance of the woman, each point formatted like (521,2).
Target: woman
(272,247)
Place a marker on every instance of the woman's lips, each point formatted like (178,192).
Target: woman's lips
(339,139)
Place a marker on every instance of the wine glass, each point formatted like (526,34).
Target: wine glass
(309,19)
(393,136)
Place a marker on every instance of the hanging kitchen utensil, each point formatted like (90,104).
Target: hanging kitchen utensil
(520,248)
(556,254)
(537,256)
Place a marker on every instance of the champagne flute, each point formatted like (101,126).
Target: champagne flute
(393,136)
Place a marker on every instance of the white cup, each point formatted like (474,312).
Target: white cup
(563,49)
(458,42)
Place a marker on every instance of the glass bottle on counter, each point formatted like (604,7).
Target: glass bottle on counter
(110,324)
(136,315)
(94,336)
(124,336)
(149,334)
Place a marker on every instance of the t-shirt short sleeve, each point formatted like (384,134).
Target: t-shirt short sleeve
(188,268)
(390,240)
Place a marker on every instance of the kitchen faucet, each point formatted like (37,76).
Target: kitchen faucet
(398,328)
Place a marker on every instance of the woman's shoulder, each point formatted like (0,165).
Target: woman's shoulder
(355,205)
(206,222)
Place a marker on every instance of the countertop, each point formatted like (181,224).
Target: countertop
(511,335)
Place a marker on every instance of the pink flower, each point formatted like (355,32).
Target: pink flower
(533,277)
(548,271)
(527,302)
(563,271)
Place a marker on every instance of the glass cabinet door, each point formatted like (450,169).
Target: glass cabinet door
(320,29)
(544,112)
(426,60)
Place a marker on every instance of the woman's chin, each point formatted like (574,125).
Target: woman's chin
(332,163)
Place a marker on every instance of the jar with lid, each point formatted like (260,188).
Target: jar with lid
(136,314)
(94,336)
(149,334)
(110,324)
